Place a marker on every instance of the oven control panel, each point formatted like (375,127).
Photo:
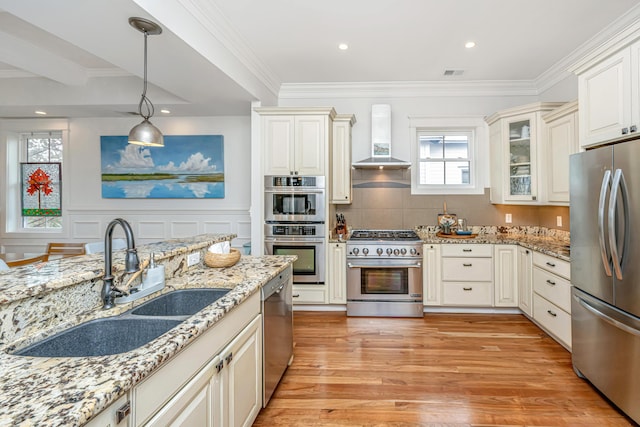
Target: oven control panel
(383,250)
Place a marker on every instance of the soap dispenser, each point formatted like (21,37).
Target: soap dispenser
(154,274)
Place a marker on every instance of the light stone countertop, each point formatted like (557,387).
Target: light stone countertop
(71,391)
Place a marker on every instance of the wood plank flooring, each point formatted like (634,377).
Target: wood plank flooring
(441,370)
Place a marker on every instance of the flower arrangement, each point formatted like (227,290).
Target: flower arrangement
(446,221)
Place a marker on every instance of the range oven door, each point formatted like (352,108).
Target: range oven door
(384,279)
(309,267)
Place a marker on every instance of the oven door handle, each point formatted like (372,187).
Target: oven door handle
(416,265)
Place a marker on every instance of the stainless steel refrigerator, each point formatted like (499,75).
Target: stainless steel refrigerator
(605,271)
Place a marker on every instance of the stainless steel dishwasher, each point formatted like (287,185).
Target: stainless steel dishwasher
(277,331)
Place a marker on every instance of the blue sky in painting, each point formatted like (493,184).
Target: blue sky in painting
(190,154)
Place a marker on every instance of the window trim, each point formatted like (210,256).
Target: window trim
(10,131)
(478,153)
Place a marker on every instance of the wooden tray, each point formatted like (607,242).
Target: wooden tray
(455,236)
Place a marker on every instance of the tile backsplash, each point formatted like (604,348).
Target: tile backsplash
(383,200)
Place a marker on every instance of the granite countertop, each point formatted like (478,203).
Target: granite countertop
(554,243)
(70,391)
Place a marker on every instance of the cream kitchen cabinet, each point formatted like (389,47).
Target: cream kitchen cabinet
(467,275)
(552,296)
(340,159)
(337,273)
(295,141)
(609,91)
(516,150)
(505,275)
(117,414)
(431,275)
(200,385)
(309,294)
(525,278)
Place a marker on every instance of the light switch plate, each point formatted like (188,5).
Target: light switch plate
(508,219)
(193,259)
(559,221)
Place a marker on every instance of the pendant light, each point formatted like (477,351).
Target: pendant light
(145,133)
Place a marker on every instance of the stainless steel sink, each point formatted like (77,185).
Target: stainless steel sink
(101,337)
(183,302)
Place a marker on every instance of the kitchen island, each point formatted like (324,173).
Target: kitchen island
(39,300)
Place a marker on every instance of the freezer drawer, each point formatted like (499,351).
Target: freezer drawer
(606,345)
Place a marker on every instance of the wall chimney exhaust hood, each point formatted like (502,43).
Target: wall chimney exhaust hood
(381,142)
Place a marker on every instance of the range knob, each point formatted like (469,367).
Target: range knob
(413,251)
(396,252)
(403,251)
(355,251)
(379,251)
(389,251)
(365,251)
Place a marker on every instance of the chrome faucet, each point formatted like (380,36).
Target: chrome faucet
(132,263)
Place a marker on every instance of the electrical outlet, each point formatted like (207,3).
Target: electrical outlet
(193,259)
(559,221)
(508,219)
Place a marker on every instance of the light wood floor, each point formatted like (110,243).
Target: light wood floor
(442,370)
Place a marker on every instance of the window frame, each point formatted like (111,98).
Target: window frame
(11,156)
(477,128)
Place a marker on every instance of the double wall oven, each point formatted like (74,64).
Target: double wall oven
(295,224)
(384,273)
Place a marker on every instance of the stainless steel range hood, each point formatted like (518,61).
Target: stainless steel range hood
(381,142)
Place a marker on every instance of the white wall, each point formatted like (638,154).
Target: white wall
(152,219)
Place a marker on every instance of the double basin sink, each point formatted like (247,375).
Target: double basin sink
(128,331)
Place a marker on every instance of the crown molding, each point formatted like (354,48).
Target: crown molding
(212,18)
(414,89)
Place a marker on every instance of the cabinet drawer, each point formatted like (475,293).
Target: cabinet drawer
(555,265)
(310,294)
(467,269)
(554,288)
(553,319)
(470,293)
(466,250)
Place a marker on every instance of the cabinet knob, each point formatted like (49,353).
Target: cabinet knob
(229,358)
(633,128)
(220,366)
(625,131)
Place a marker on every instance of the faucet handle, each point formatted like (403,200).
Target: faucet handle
(132,262)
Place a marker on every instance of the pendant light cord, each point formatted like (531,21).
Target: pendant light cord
(144,100)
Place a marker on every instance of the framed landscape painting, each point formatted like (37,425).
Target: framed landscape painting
(187,167)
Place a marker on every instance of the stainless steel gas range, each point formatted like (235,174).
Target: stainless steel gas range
(384,273)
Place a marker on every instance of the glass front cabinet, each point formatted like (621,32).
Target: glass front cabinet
(516,150)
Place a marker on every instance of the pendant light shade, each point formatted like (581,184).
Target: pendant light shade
(145,133)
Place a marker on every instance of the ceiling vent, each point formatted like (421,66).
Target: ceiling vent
(453,73)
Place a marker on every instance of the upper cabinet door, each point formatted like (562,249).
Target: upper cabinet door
(278,143)
(520,138)
(605,99)
(310,144)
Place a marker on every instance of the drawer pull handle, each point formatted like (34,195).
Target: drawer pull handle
(123,412)
(220,366)
(467,250)
(296,295)
(467,289)
(551,282)
(229,358)
(467,265)
(550,264)
(551,313)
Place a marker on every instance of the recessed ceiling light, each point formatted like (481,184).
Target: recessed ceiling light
(40,113)
(469,45)
(165,111)
(343,46)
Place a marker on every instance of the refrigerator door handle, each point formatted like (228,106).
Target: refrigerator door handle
(608,319)
(619,184)
(606,259)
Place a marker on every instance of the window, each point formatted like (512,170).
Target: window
(447,158)
(41,147)
(444,158)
